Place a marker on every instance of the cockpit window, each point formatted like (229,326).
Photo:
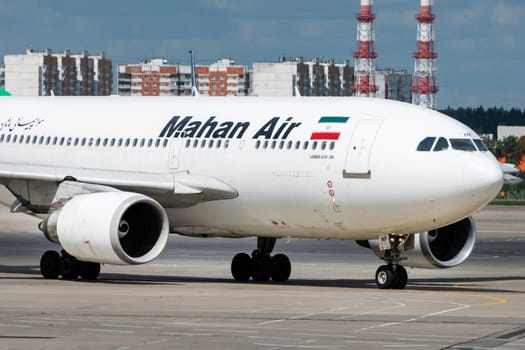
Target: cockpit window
(463,145)
(480,145)
(441,145)
(426,144)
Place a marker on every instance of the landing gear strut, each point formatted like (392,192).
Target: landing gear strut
(393,275)
(261,266)
(53,265)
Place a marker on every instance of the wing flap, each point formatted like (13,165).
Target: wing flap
(181,186)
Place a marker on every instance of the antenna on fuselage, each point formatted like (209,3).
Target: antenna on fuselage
(194,90)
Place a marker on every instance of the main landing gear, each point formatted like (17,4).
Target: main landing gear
(261,266)
(392,275)
(53,265)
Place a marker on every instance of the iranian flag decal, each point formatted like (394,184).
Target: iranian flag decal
(328,123)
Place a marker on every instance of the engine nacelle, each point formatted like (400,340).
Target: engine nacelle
(119,228)
(444,247)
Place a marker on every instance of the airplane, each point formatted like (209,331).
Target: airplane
(510,174)
(111,177)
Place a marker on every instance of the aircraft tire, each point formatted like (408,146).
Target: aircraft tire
(89,271)
(386,278)
(261,268)
(281,268)
(70,267)
(50,264)
(402,277)
(241,267)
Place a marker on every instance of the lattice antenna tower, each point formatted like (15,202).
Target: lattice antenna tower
(364,81)
(424,86)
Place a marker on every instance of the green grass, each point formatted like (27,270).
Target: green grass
(510,202)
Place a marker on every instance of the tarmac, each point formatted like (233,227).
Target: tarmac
(186,299)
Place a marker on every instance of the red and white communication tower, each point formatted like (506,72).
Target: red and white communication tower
(424,83)
(364,82)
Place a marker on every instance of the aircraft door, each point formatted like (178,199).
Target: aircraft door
(175,146)
(360,148)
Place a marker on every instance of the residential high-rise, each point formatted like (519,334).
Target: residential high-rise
(312,78)
(45,73)
(158,77)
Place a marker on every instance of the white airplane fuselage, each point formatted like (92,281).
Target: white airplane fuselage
(341,168)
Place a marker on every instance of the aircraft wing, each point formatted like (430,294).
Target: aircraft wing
(179,187)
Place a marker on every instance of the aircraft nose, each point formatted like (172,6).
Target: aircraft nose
(483,178)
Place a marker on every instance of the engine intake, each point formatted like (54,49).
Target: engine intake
(110,227)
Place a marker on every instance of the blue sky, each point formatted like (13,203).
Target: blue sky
(479,42)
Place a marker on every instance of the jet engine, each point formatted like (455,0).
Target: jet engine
(109,227)
(444,247)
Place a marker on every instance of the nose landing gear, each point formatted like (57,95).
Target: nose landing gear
(392,275)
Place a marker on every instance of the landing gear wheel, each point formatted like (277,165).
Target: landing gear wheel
(50,265)
(70,267)
(89,270)
(241,267)
(402,277)
(281,268)
(261,267)
(386,278)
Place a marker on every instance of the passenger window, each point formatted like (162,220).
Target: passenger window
(195,143)
(14,138)
(332,145)
(281,145)
(150,142)
(323,145)
(314,145)
(210,144)
(62,140)
(165,143)
(274,143)
(105,143)
(21,139)
(226,143)
(69,141)
(289,144)
(305,147)
(76,141)
(2,138)
(265,144)
(188,143)
(157,143)
(426,144)
(135,141)
(481,146)
(127,142)
(219,143)
(297,144)
(441,145)
(112,142)
(97,143)
(463,145)
(35,138)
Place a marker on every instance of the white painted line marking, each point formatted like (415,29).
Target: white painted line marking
(104,330)
(299,346)
(127,326)
(13,325)
(41,322)
(189,334)
(465,306)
